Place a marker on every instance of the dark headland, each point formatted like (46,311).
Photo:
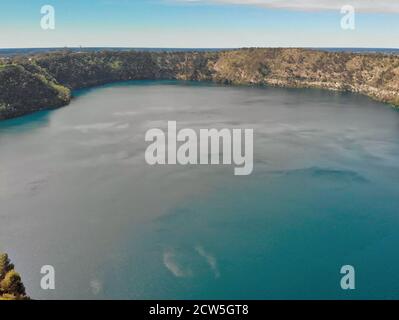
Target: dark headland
(41,81)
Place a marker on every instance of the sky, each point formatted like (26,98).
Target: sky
(199,23)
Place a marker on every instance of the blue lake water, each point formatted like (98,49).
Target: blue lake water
(76,193)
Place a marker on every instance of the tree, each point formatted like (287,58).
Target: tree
(11,286)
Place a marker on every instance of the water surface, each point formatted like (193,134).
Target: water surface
(76,193)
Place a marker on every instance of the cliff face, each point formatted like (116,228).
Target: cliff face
(376,76)
(25,89)
(89,69)
(44,81)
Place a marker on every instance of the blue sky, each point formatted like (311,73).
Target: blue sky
(199,23)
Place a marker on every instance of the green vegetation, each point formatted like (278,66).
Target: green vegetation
(25,89)
(44,81)
(11,286)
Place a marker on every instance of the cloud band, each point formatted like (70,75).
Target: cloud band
(376,6)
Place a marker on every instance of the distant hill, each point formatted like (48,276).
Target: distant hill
(31,51)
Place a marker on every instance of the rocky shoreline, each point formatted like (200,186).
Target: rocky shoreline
(46,81)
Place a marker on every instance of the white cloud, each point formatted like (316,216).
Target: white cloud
(381,6)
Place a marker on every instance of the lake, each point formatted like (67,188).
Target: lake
(77,194)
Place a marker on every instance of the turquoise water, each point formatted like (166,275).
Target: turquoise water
(76,193)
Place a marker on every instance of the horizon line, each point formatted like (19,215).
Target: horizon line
(201,48)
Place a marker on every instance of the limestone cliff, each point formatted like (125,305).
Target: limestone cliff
(375,75)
